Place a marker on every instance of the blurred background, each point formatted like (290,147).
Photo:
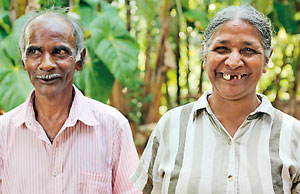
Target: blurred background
(144,56)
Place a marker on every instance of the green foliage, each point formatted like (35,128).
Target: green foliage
(114,46)
(15,85)
(194,16)
(285,12)
(112,54)
(112,51)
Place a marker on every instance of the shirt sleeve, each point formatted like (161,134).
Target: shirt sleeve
(146,177)
(1,157)
(125,161)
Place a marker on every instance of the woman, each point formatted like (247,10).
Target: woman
(231,140)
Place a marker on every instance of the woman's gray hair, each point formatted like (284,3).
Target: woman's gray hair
(77,32)
(245,13)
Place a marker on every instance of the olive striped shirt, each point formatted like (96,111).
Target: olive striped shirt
(190,151)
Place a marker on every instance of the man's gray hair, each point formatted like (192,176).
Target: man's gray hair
(77,32)
(245,13)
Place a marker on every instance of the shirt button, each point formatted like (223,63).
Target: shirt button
(229,142)
(230,178)
(54,173)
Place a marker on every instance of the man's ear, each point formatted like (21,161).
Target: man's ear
(23,64)
(79,64)
(267,61)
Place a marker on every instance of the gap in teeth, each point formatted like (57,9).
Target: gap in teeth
(229,76)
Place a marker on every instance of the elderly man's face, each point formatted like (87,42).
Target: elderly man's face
(50,55)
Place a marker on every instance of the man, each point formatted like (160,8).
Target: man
(59,141)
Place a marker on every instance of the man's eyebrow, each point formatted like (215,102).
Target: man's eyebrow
(33,47)
(62,47)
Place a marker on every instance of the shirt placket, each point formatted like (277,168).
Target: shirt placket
(231,173)
(56,181)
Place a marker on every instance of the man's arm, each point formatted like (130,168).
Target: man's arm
(125,161)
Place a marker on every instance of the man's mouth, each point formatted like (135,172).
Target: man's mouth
(48,77)
(229,76)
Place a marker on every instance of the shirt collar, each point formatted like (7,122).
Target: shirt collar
(265,106)
(80,110)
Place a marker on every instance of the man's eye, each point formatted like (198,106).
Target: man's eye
(33,51)
(221,50)
(60,51)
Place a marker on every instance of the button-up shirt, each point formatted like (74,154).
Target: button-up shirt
(92,153)
(190,152)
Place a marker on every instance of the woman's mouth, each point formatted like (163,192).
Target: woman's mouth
(232,76)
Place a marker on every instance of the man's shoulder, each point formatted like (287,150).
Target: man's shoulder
(103,110)
(9,116)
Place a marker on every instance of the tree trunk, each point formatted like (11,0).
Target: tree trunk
(128,15)
(32,6)
(158,78)
(71,5)
(118,99)
(148,70)
(177,55)
(201,80)
(188,61)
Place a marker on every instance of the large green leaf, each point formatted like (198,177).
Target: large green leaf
(114,46)
(265,6)
(94,80)
(147,9)
(286,13)
(195,15)
(14,82)
(87,12)
(5,4)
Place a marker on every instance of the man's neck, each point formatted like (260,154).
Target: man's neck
(52,112)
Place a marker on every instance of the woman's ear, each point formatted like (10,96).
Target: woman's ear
(267,61)
(204,57)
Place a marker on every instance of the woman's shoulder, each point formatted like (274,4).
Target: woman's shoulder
(287,120)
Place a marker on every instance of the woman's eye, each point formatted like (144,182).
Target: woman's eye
(221,50)
(248,51)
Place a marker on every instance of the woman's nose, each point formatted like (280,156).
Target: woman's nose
(234,60)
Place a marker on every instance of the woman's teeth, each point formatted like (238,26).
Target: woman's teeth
(230,76)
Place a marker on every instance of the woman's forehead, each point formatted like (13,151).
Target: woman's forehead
(234,30)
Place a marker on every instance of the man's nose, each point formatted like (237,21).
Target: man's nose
(234,60)
(46,63)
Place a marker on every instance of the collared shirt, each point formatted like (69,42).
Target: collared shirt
(190,152)
(92,153)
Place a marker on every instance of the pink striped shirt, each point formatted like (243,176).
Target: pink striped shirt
(92,153)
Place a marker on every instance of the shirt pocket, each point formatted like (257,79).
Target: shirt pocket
(91,182)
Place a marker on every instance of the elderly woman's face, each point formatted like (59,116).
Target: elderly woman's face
(235,60)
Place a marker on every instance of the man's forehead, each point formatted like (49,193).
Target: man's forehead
(47,23)
(51,21)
